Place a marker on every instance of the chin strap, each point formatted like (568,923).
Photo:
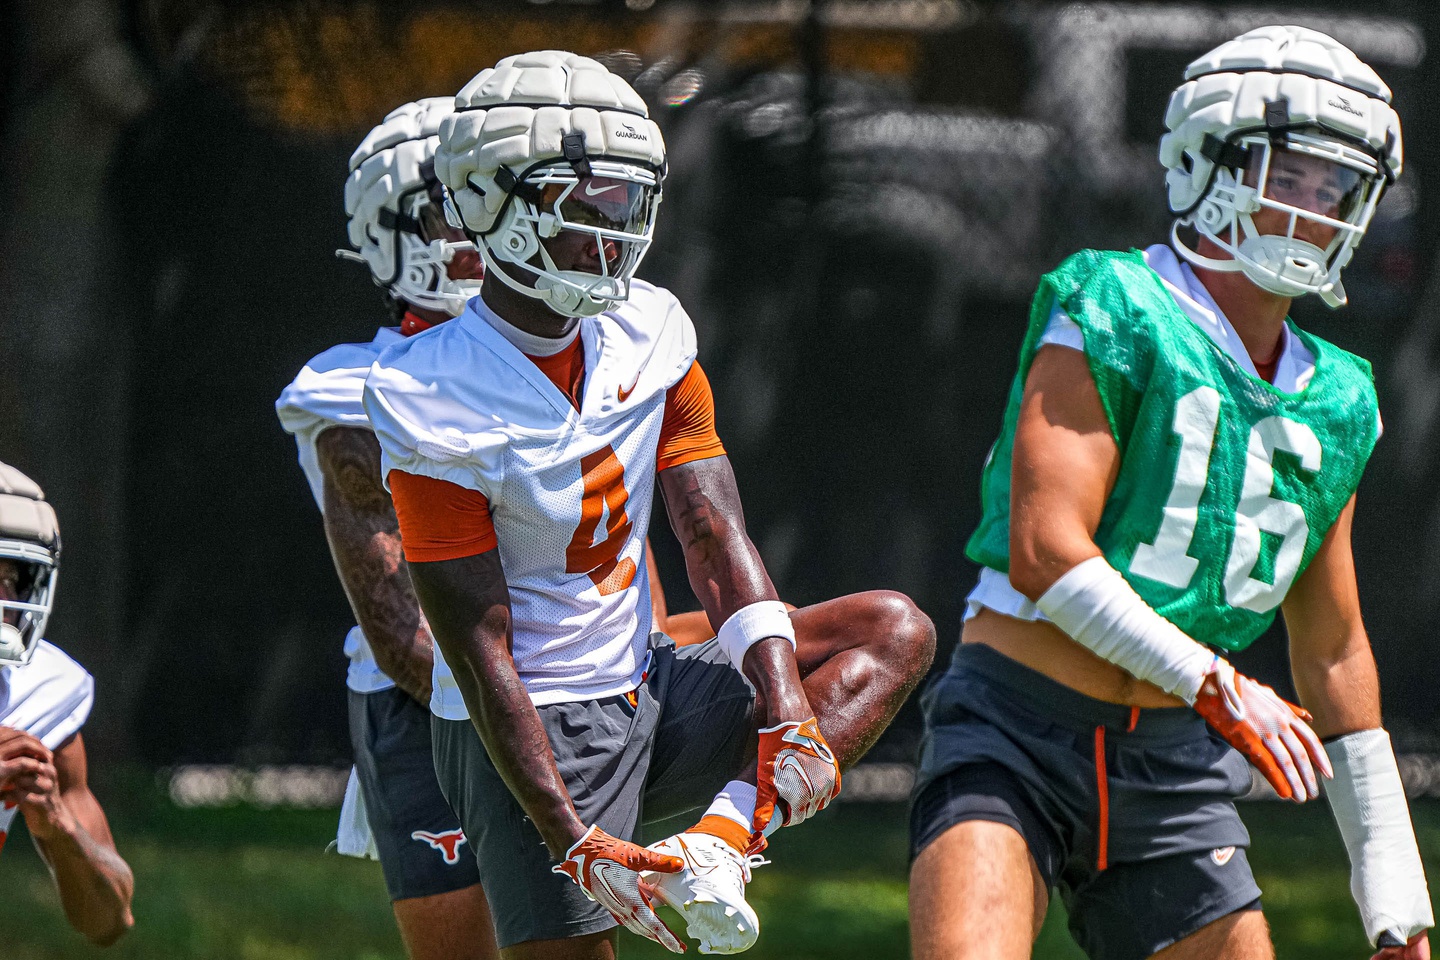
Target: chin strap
(1198,259)
(564,302)
(413,324)
(1332,295)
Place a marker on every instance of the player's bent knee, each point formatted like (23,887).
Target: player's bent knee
(906,633)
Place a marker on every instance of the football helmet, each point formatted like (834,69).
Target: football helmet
(1287,119)
(391,174)
(546,142)
(29,538)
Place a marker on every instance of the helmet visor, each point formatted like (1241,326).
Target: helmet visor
(606,203)
(1312,187)
(1308,182)
(589,225)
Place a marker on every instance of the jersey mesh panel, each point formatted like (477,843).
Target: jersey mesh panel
(566,630)
(1145,356)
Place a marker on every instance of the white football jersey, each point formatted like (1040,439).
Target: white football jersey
(49,698)
(326,393)
(570,491)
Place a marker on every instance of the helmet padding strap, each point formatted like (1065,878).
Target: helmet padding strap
(1224,153)
(1277,120)
(572,147)
(392,220)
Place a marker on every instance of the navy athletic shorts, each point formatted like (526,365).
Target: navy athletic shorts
(686,733)
(422,848)
(1130,813)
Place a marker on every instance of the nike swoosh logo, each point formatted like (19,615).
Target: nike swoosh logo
(791,763)
(697,868)
(815,746)
(590,190)
(601,881)
(622,394)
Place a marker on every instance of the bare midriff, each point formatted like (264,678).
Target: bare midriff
(1045,649)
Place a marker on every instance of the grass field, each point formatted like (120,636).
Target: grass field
(246,884)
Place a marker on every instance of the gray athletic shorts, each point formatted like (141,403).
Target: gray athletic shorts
(1129,812)
(421,846)
(686,735)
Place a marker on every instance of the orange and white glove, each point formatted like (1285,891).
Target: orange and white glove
(798,777)
(1273,734)
(608,871)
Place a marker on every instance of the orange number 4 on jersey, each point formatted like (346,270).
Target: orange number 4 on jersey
(604,487)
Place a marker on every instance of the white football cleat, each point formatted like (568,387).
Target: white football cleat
(710,892)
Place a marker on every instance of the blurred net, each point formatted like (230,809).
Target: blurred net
(862,197)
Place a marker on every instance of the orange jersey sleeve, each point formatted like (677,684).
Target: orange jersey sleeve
(688,430)
(440,520)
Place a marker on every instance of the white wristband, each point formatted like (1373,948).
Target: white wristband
(1368,800)
(1100,611)
(751,624)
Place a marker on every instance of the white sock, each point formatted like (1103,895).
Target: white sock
(735,802)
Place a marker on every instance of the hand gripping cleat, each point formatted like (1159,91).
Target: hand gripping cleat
(709,893)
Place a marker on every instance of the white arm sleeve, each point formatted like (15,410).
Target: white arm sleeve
(1099,610)
(1368,800)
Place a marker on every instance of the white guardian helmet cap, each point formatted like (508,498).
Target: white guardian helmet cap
(388,185)
(1287,119)
(550,141)
(29,538)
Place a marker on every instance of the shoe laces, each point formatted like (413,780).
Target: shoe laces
(746,862)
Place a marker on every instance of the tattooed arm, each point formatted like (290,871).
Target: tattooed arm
(470,604)
(727,574)
(365,543)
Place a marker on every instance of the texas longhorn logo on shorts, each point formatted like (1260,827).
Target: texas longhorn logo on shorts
(1222,855)
(448,843)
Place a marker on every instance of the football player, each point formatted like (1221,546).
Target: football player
(394,809)
(45,698)
(521,444)
(1177,462)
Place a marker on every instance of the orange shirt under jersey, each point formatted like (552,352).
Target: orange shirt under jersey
(440,520)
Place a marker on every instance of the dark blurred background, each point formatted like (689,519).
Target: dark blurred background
(863,195)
